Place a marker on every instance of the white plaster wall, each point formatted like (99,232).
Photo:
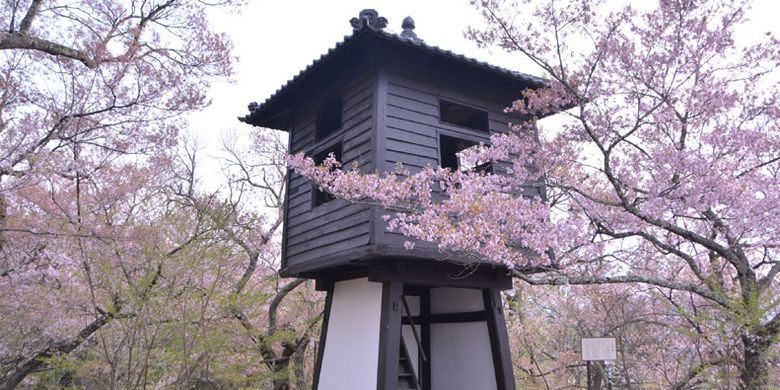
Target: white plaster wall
(351,354)
(411,345)
(461,358)
(456,300)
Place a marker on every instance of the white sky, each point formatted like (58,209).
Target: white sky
(274,40)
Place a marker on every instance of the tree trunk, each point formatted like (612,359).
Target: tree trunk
(3,215)
(299,361)
(754,374)
(38,360)
(281,369)
(598,378)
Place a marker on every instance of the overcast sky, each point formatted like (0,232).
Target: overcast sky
(274,40)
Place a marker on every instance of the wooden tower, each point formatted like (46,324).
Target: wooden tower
(394,318)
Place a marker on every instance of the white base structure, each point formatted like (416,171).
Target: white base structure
(351,353)
(460,352)
(388,335)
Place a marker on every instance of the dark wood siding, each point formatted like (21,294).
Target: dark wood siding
(412,128)
(335,226)
(389,117)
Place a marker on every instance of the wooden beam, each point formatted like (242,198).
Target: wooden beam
(448,318)
(325,280)
(439,274)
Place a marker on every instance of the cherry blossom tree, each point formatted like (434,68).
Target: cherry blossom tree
(91,102)
(184,282)
(250,219)
(659,337)
(665,172)
(116,268)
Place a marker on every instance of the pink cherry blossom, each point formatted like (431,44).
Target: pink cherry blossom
(664,172)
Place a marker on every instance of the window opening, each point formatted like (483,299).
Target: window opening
(458,114)
(451,149)
(322,197)
(328,118)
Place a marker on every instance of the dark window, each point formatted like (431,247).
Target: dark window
(328,118)
(450,148)
(458,114)
(321,197)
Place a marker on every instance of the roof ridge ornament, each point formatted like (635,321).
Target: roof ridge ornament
(368,18)
(408,30)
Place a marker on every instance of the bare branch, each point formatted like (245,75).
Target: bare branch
(563,280)
(277,299)
(21,41)
(24,26)
(695,371)
(767,280)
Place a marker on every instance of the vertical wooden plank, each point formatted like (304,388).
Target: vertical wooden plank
(425,312)
(380,115)
(499,339)
(377,225)
(323,336)
(389,336)
(358,94)
(287,180)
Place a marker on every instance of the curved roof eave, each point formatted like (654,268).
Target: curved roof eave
(257,110)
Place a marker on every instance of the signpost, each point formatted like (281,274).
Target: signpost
(599,349)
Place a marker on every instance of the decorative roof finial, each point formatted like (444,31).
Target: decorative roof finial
(408,27)
(368,18)
(408,23)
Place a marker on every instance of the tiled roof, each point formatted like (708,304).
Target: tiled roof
(415,43)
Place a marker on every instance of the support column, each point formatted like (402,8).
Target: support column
(390,336)
(499,339)
(323,338)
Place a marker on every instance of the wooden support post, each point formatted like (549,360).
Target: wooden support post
(499,339)
(323,337)
(390,335)
(425,327)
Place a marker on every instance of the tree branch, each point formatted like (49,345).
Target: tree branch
(16,40)
(595,280)
(772,328)
(694,372)
(24,26)
(764,282)
(39,359)
(277,300)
